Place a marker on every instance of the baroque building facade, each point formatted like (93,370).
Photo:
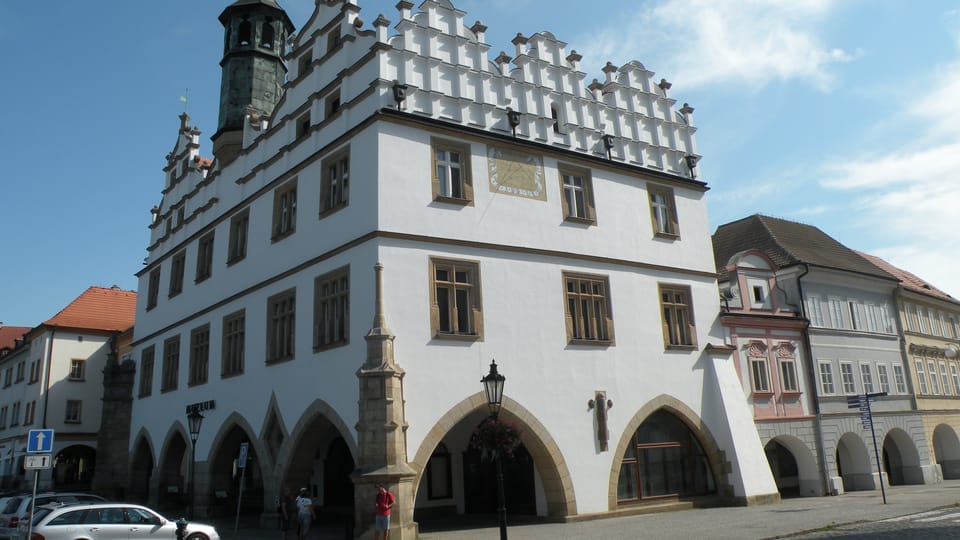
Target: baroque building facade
(328,290)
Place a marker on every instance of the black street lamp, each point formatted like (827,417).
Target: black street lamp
(194,420)
(493,386)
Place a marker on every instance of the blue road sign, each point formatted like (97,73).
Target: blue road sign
(40,441)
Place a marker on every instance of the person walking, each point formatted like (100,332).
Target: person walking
(305,513)
(384,502)
(288,511)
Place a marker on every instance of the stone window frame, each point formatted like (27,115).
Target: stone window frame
(78,370)
(73,412)
(466,178)
(335,186)
(178,265)
(199,363)
(233,351)
(147,359)
(758,366)
(153,288)
(281,326)
(170,375)
(595,328)
(663,213)
(475,298)
(331,292)
(205,257)
(239,236)
(589,211)
(284,211)
(677,317)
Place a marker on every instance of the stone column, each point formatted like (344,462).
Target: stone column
(111,477)
(382,433)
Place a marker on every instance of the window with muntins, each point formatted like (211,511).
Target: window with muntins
(815,311)
(199,355)
(234,333)
(285,210)
(335,191)
(451,180)
(455,304)
(177,264)
(759,377)
(589,313)
(909,317)
(663,210)
(866,378)
(73,410)
(788,371)
(205,257)
(955,376)
(576,185)
(146,372)
(78,369)
(281,318)
(900,379)
(331,306)
(921,376)
(944,378)
(171,364)
(934,381)
(826,378)
(239,227)
(883,377)
(846,377)
(153,288)
(678,328)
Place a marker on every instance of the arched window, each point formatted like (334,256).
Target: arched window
(663,459)
(267,35)
(243,33)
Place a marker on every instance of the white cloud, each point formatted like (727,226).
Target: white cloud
(752,42)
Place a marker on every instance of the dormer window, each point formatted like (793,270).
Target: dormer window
(759,293)
(243,33)
(267,35)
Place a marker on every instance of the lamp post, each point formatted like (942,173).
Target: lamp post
(194,421)
(493,386)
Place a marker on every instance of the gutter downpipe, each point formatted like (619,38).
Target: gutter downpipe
(904,353)
(46,385)
(812,375)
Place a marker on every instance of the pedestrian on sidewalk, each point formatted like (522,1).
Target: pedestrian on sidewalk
(288,511)
(384,502)
(305,513)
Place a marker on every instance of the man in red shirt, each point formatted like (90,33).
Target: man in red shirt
(384,503)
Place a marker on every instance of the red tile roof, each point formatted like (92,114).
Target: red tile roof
(10,333)
(909,281)
(99,308)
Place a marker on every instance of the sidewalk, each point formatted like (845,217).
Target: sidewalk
(789,517)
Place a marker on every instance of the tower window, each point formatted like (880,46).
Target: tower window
(267,35)
(243,33)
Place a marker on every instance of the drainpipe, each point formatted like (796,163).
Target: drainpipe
(46,383)
(904,353)
(814,387)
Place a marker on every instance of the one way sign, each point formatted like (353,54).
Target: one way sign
(40,441)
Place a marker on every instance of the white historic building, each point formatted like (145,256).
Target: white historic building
(373,232)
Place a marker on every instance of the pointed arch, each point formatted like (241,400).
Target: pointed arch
(143,461)
(557,485)
(226,426)
(317,410)
(715,457)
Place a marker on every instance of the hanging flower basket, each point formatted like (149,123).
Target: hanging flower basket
(495,437)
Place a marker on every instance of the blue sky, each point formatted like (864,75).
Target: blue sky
(839,113)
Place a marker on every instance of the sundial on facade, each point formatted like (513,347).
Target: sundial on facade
(516,173)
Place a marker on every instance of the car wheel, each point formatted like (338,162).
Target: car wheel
(197,536)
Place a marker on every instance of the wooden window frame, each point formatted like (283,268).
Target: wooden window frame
(76,419)
(672,315)
(474,298)
(866,377)
(335,187)
(759,367)
(849,386)
(199,363)
(466,178)
(565,171)
(331,309)
(883,378)
(205,257)
(284,211)
(281,325)
(233,351)
(664,226)
(170,374)
(147,360)
(239,236)
(823,375)
(594,327)
(178,265)
(153,288)
(899,379)
(74,362)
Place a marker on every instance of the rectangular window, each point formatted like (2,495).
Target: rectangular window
(27,415)
(199,355)
(15,414)
(788,375)
(332,104)
(335,191)
(921,319)
(177,264)
(303,126)
(836,313)
(451,172)
(945,379)
(663,210)
(3,417)
(331,309)
(846,376)
(883,377)
(8,377)
(921,376)
(239,226)
(856,315)
(171,364)
(866,378)
(814,311)
(955,376)
(934,322)
(758,374)
(281,317)
(234,333)
(153,288)
(78,369)
(908,315)
(678,327)
(72,415)
(34,371)
(285,210)
(303,63)
(934,380)
(146,372)
(899,379)
(577,188)
(20,370)
(589,317)
(205,257)
(944,323)
(455,303)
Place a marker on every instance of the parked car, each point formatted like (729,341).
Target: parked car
(103,521)
(15,508)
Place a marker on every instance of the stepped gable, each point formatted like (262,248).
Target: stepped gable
(98,308)
(788,243)
(907,280)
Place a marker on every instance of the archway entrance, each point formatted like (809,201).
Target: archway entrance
(226,473)
(901,461)
(480,483)
(784,468)
(173,471)
(853,464)
(141,470)
(946,450)
(73,468)
(322,461)
(664,459)
(794,467)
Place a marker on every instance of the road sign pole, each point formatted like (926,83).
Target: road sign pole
(33,501)
(876,452)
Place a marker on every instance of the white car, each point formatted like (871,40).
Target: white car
(108,521)
(13,509)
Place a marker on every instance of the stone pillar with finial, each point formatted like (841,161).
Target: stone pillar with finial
(382,432)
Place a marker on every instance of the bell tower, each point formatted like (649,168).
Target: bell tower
(253,71)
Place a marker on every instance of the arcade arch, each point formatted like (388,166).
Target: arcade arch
(793,465)
(901,460)
(946,451)
(853,464)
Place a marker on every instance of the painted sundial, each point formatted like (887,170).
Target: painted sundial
(516,173)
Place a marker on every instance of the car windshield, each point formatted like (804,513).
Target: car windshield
(39,514)
(12,505)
